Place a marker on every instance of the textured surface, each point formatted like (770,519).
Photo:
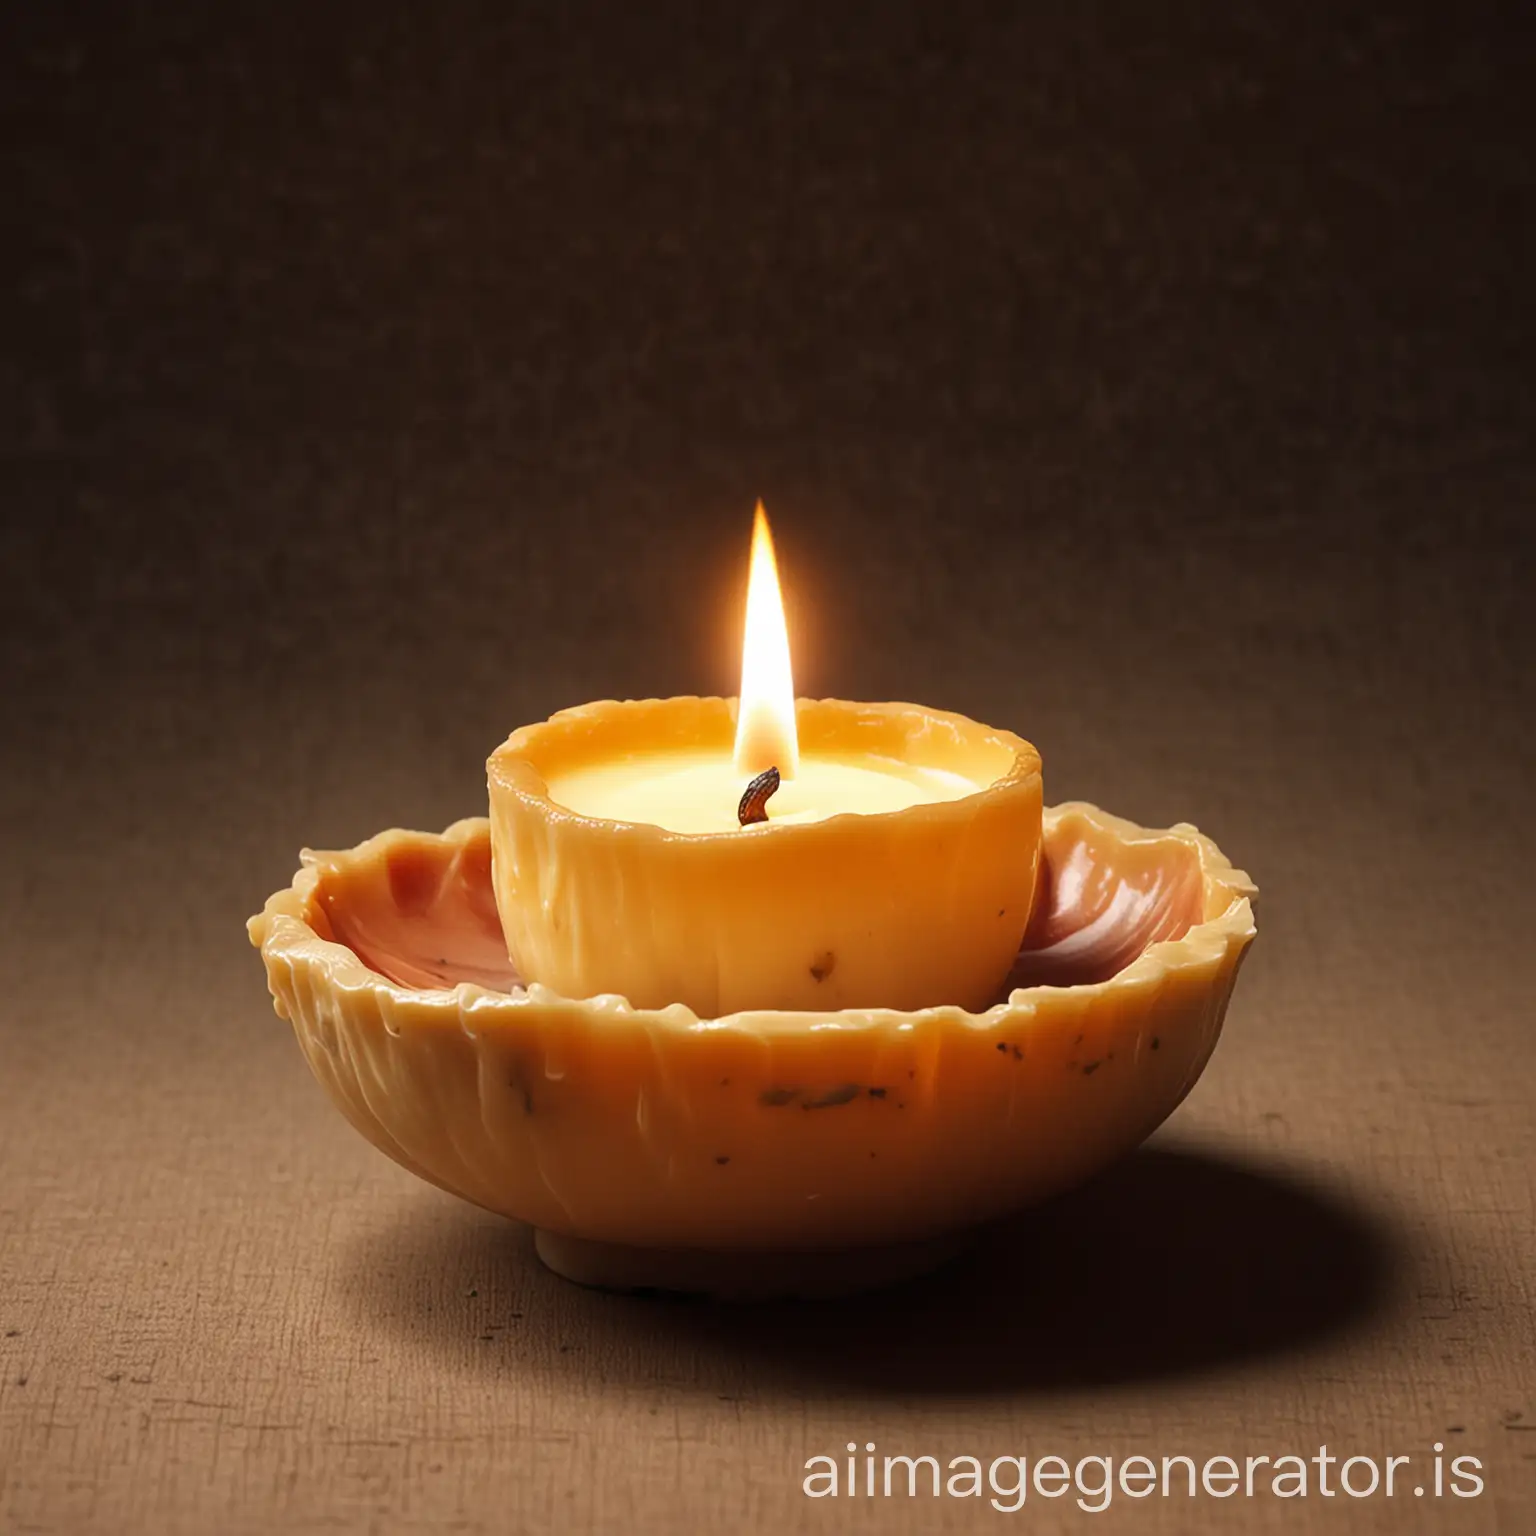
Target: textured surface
(1154,383)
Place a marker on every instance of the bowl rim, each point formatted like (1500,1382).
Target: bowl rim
(286,937)
(508,771)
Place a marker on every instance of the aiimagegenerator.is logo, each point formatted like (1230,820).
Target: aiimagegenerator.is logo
(1009,1482)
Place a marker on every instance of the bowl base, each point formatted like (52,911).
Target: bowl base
(741,1274)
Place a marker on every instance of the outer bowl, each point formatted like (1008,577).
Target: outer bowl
(761,1132)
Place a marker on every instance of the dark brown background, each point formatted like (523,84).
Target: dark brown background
(1153,380)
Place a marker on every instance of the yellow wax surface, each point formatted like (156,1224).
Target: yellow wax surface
(700,791)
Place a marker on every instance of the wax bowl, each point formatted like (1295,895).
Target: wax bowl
(763,1152)
(901,910)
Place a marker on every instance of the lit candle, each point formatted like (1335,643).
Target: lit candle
(811,855)
(701,791)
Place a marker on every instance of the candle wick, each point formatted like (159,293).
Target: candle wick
(754,803)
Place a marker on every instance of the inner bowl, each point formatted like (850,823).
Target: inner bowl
(619,864)
(761,1130)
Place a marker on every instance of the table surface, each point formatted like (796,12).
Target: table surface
(375,382)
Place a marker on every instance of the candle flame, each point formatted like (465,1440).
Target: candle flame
(765,725)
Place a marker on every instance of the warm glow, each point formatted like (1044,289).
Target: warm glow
(765,728)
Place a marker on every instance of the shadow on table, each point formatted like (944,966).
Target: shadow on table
(1173,1262)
